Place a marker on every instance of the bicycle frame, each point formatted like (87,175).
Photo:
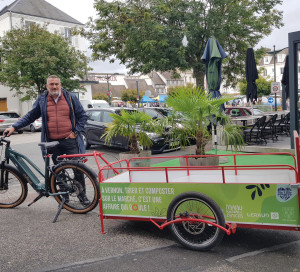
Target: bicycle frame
(22,163)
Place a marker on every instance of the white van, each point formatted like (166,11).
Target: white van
(89,104)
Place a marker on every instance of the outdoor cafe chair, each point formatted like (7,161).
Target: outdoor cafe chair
(283,125)
(269,128)
(254,133)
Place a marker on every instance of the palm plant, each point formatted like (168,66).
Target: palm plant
(199,110)
(137,127)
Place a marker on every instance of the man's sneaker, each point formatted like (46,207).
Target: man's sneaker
(83,200)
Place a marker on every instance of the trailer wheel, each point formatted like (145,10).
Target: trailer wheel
(196,235)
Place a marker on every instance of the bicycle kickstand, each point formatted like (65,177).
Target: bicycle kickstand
(59,209)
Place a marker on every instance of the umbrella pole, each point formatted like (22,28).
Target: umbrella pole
(214,137)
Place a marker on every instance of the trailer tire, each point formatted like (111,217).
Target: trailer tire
(196,235)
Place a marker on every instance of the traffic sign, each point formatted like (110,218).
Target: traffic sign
(270,100)
(275,87)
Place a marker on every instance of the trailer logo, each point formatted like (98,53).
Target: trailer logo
(285,193)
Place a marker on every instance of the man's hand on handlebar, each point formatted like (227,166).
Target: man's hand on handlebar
(8,131)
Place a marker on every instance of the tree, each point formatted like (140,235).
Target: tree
(147,35)
(130,95)
(101,97)
(263,86)
(30,54)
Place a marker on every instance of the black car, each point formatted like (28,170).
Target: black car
(155,114)
(97,123)
(158,112)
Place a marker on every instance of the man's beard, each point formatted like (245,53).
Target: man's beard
(54,93)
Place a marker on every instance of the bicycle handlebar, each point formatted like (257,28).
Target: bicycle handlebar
(2,139)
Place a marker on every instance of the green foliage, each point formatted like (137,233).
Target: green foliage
(101,97)
(147,35)
(30,54)
(263,86)
(130,95)
(133,126)
(198,108)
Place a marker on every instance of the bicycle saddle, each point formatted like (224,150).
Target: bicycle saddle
(48,144)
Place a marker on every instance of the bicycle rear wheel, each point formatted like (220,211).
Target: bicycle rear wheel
(14,188)
(196,235)
(81,183)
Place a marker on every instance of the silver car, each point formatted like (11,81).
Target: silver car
(35,126)
(7,119)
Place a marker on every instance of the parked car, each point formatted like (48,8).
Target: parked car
(243,111)
(7,119)
(89,104)
(161,111)
(97,122)
(34,126)
(155,114)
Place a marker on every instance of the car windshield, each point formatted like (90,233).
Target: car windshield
(127,110)
(100,105)
(258,112)
(165,112)
(3,116)
(7,115)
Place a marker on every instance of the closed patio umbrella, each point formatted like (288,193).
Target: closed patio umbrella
(213,56)
(251,76)
(285,76)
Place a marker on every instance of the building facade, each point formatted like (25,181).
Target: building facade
(273,65)
(154,83)
(26,12)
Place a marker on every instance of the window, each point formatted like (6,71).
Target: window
(94,115)
(152,113)
(281,70)
(280,58)
(265,72)
(68,34)
(106,118)
(29,23)
(246,112)
(235,112)
(266,60)
(298,69)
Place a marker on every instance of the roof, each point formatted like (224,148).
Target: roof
(270,53)
(38,8)
(142,84)
(101,88)
(156,79)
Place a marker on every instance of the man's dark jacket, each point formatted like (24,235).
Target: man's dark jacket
(39,109)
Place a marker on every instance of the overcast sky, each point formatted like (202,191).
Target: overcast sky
(82,10)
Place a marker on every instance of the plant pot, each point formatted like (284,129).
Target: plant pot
(137,163)
(193,161)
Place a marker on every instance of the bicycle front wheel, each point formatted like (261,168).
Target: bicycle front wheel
(80,183)
(13,188)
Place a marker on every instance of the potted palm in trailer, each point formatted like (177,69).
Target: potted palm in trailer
(199,111)
(138,128)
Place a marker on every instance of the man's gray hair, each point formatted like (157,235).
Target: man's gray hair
(53,76)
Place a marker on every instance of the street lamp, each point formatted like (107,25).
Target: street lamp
(138,94)
(109,93)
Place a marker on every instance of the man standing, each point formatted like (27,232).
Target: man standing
(63,118)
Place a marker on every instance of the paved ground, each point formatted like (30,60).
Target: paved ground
(30,242)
